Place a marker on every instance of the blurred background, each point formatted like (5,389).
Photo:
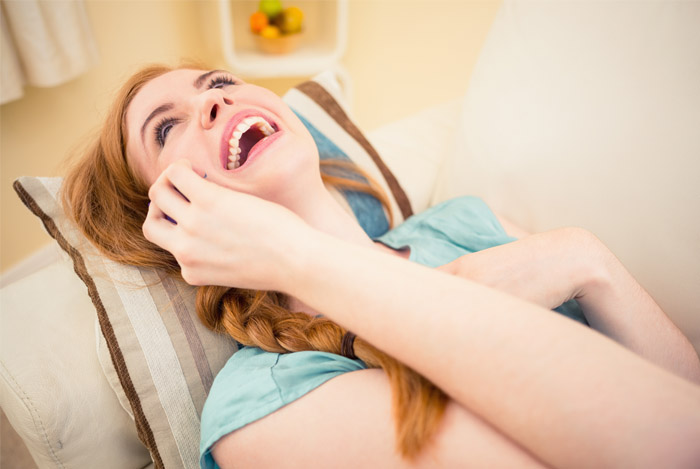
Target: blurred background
(396,58)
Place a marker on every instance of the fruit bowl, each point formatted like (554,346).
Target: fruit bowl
(277,30)
(283,44)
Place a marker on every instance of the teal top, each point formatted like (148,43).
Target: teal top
(255,383)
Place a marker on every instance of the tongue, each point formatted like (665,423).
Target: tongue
(247,141)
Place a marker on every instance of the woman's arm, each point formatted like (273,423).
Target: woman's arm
(553,267)
(569,395)
(347,423)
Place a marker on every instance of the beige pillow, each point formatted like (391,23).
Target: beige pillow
(161,360)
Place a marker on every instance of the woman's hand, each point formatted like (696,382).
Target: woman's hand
(546,268)
(219,236)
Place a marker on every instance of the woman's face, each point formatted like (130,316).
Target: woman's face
(241,136)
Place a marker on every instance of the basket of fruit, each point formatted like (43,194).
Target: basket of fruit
(277,30)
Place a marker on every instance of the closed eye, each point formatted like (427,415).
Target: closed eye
(220,81)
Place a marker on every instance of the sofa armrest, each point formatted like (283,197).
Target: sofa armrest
(52,388)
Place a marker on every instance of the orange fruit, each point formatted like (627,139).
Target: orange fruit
(258,22)
(270,32)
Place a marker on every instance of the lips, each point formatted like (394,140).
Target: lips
(247,132)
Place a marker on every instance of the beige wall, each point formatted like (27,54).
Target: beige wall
(401,56)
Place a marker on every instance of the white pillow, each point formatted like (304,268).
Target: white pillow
(415,148)
(588,114)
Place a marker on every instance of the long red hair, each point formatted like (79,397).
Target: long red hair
(109,201)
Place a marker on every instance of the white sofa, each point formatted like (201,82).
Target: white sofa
(577,114)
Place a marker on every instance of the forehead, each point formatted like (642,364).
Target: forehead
(163,88)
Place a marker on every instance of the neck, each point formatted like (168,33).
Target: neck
(321,210)
(326,214)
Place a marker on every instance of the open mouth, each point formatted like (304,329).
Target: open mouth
(245,137)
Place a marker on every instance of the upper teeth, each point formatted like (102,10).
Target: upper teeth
(234,150)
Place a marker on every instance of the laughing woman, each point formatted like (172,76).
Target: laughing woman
(458,365)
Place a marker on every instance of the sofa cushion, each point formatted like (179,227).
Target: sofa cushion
(587,113)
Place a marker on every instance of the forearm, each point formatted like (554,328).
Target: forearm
(545,268)
(553,267)
(548,379)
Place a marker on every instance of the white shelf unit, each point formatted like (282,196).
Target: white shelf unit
(322,44)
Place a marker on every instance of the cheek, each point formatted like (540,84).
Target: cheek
(140,167)
(273,101)
(195,151)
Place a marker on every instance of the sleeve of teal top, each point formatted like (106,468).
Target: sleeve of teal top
(447,231)
(255,383)
(465,221)
(454,228)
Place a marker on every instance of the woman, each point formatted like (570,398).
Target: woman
(237,198)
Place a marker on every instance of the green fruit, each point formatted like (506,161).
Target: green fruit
(292,18)
(271,8)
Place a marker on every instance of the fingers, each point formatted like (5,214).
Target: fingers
(168,192)
(167,205)
(157,229)
(168,199)
(190,184)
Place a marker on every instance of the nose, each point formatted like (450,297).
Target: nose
(211,104)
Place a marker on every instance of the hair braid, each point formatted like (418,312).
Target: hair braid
(261,319)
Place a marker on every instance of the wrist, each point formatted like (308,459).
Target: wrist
(295,255)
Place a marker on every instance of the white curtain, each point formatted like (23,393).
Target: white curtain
(44,43)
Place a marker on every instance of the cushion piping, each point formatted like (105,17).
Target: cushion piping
(324,99)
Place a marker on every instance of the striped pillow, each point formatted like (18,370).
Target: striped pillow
(161,359)
(337,137)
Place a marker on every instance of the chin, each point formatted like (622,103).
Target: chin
(288,184)
(280,175)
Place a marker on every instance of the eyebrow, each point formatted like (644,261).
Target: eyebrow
(159,110)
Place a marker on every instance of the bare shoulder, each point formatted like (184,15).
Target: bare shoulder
(347,422)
